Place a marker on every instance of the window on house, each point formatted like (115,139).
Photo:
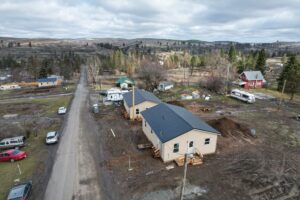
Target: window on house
(176,147)
(137,111)
(207,141)
(191,144)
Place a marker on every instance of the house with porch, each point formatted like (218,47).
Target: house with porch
(174,132)
(252,79)
(47,82)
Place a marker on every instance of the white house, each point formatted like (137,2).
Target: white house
(142,101)
(47,82)
(11,86)
(165,85)
(175,131)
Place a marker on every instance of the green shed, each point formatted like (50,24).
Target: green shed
(124,82)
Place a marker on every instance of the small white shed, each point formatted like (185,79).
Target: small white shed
(165,85)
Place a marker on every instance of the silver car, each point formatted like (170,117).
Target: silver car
(62,110)
(52,137)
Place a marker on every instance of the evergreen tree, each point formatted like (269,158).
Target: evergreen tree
(43,72)
(232,54)
(261,61)
(284,59)
(290,73)
(241,66)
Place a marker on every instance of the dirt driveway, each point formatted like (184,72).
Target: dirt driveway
(74,174)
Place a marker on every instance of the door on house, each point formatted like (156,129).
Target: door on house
(190,149)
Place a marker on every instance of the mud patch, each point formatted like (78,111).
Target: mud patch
(229,128)
(191,192)
(176,103)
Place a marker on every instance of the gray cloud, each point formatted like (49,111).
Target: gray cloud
(248,20)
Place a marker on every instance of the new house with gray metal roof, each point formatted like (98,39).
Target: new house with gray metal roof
(174,131)
(142,101)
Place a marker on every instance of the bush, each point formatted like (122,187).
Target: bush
(214,84)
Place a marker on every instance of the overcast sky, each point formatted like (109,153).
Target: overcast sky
(210,20)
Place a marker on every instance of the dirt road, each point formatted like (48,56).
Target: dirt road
(74,174)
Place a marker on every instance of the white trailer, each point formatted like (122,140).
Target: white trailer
(114,94)
(242,95)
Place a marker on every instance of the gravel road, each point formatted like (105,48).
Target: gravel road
(74,174)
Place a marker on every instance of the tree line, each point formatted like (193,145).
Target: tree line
(34,67)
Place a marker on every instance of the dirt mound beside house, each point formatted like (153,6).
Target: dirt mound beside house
(176,103)
(229,128)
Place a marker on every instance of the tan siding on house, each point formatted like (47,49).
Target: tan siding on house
(142,106)
(151,136)
(198,137)
(126,107)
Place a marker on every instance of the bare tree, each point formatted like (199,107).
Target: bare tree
(151,72)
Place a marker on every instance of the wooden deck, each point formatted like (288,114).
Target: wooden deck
(197,159)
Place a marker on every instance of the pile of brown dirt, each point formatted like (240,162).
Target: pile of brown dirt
(176,103)
(229,128)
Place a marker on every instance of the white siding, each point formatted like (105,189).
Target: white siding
(47,84)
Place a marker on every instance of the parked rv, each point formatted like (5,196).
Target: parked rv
(165,85)
(243,96)
(13,142)
(113,94)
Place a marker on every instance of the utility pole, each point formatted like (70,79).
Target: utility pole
(129,164)
(282,91)
(184,176)
(227,78)
(132,102)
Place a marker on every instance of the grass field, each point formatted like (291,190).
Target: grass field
(50,105)
(35,145)
(10,172)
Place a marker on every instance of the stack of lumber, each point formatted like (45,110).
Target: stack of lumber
(195,160)
(180,161)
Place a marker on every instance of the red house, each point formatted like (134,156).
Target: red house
(252,79)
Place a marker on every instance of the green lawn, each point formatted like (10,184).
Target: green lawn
(50,105)
(9,172)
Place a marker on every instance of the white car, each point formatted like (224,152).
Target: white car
(298,117)
(62,110)
(52,137)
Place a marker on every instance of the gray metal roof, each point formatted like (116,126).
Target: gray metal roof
(139,97)
(170,121)
(253,75)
